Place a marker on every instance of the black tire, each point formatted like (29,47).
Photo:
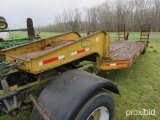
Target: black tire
(1,17)
(100,99)
(36,115)
(73,95)
(3,24)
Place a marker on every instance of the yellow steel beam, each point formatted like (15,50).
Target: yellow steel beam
(69,48)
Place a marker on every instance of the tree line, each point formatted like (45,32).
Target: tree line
(107,16)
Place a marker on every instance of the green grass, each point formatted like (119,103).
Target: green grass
(24,34)
(154,36)
(139,85)
(18,34)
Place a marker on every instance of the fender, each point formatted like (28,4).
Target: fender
(63,97)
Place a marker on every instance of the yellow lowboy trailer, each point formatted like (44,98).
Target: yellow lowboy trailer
(49,53)
(54,65)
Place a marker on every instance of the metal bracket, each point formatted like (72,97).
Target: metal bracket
(10,106)
(5,85)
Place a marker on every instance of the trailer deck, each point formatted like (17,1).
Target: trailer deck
(125,50)
(122,54)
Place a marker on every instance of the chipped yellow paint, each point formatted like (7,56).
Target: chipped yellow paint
(33,54)
(55,51)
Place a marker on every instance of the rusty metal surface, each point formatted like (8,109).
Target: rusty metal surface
(40,109)
(125,50)
(60,50)
(121,32)
(36,54)
(145,29)
(30,28)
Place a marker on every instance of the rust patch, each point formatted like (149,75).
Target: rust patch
(125,50)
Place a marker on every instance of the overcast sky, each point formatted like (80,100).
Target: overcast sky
(41,11)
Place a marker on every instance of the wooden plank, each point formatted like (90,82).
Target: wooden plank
(124,50)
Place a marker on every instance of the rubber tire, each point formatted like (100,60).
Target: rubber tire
(100,99)
(1,17)
(36,115)
(3,21)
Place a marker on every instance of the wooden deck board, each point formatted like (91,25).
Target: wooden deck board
(124,50)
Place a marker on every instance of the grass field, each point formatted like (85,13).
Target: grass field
(139,85)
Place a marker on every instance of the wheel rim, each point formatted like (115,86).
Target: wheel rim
(2,25)
(100,113)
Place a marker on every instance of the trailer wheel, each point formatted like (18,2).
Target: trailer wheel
(3,24)
(99,107)
(76,95)
(1,17)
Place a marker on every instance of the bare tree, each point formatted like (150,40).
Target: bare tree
(106,17)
